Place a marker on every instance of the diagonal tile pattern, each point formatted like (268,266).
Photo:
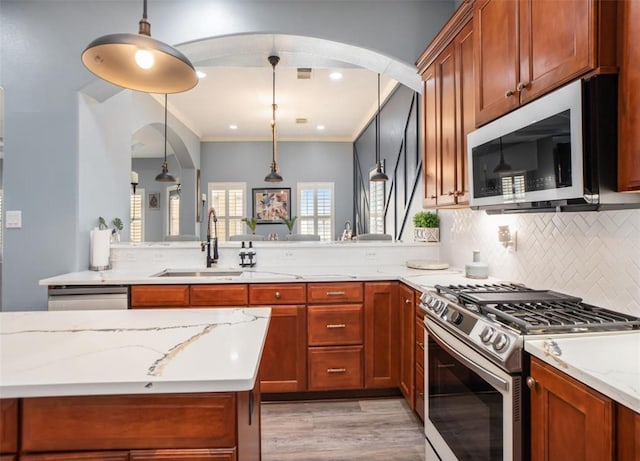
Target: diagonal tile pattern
(593,255)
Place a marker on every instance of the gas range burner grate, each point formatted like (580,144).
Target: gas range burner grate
(536,311)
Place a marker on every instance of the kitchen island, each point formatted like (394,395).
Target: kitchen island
(153,384)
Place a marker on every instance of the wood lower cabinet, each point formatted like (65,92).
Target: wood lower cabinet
(154,296)
(381,335)
(8,426)
(629,97)
(79,456)
(186,455)
(419,357)
(219,295)
(406,307)
(526,48)
(336,367)
(627,434)
(568,419)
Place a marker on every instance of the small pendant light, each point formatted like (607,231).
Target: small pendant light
(165,176)
(139,62)
(379,175)
(502,167)
(274,175)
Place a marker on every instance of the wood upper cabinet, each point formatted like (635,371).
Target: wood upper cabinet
(629,97)
(447,72)
(526,48)
(219,295)
(155,296)
(284,357)
(382,328)
(568,419)
(406,307)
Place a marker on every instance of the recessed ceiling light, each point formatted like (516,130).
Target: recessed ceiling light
(233,127)
(201,74)
(335,76)
(320,127)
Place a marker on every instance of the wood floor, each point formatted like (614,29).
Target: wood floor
(358,430)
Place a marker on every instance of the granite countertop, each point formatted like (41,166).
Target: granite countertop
(130,351)
(607,362)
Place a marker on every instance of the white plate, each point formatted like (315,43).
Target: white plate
(427,265)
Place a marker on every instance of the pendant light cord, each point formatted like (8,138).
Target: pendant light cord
(378,126)
(144,9)
(273,112)
(165,126)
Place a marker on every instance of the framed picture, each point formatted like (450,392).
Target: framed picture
(271,204)
(154,200)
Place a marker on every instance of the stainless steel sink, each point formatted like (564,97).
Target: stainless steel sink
(198,273)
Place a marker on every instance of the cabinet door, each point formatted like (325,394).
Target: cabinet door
(629,98)
(446,94)
(284,358)
(186,455)
(159,296)
(495,27)
(556,43)
(568,419)
(628,436)
(219,295)
(8,425)
(430,136)
(381,318)
(407,343)
(79,456)
(465,108)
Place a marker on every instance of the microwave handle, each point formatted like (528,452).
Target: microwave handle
(490,377)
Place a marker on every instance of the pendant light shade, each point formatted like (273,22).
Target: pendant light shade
(379,175)
(274,174)
(139,62)
(165,176)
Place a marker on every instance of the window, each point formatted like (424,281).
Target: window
(316,209)
(173,209)
(136,216)
(376,206)
(229,202)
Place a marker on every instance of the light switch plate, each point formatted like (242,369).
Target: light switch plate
(13,219)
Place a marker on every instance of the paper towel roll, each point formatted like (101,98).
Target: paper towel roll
(100,248)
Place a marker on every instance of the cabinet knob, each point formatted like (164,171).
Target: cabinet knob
(452,193)
(531,382)
(433,197)
(407,301)
(509,93)
(521,86)
(277,295)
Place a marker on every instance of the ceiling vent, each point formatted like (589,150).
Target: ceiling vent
(301,120)
(304,73)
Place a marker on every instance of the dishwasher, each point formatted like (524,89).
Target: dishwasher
(86,297)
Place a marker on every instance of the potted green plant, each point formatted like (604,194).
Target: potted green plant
(117,227)
(289,223)
(251,224)
(427,226)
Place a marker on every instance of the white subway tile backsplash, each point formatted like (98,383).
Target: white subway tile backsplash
(593,255)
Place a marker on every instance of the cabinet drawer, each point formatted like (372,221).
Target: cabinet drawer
(420,342)
(419,390)
(284,293)
(335,325)
(335,368)
(219,295)
(8,426)
(128,422)
(347,292)
(159,295)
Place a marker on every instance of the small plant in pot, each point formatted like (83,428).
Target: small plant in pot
(289,223)
(251,223)
(427,227)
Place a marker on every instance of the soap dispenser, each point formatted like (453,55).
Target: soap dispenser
(476,269)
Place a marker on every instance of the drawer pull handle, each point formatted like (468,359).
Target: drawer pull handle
(509,93)
(336,325)
(407,301)
(277,295)
(336,370)
(420,394)
(446,365)
(335,293)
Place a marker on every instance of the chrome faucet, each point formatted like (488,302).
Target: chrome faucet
(211,260)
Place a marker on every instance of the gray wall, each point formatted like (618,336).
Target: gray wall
(298,162)
(41,72)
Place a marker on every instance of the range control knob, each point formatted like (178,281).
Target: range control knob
(487,334)
(500,342)
(455,317)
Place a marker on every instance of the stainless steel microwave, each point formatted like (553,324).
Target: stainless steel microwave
(557,153)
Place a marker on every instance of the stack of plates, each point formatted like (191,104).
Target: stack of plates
(427,265)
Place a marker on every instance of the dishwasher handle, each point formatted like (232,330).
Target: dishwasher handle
(88,290)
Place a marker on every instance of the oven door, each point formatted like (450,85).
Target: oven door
(472,407)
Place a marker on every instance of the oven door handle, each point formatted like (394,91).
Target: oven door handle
(489,376)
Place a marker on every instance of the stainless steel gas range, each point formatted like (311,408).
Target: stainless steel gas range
(476,400)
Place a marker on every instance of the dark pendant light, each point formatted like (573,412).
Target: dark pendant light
(165,176)
(139,62)
(502,166)
(379,175)
(274,174)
